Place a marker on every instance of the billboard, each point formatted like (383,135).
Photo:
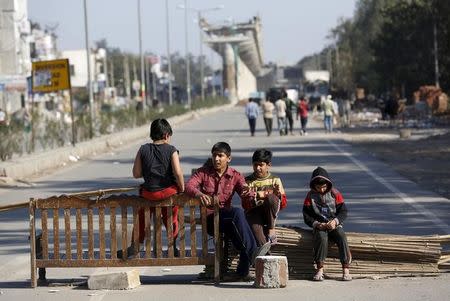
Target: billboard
(51,76)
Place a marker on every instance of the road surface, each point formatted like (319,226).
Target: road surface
(379,201)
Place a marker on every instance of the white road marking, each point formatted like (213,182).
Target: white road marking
(439,223)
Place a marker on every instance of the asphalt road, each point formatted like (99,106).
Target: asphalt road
(379,201)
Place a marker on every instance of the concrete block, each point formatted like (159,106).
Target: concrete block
(271,272)
(115,281)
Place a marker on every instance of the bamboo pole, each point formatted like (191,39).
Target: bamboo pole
(100,192)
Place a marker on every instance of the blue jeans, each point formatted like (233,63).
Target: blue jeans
(234,224)
(328,122)
(282,124)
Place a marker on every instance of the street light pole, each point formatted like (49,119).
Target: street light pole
(436,57)
(188,71)
(143,94)
(169,63)
(199,13)
(88,54)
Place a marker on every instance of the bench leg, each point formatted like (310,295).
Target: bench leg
(32,246)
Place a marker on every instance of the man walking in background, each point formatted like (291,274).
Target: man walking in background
(327,106)
(268,109)
(252,112)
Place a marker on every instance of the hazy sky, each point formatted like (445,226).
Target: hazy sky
(291,28)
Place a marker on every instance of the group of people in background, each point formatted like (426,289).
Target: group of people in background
(251,227)
(285,108)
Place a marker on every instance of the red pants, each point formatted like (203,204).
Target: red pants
(156,196)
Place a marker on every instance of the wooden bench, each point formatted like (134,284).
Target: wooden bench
(73,233)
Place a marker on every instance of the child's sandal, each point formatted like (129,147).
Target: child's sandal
(346,276)
(319,275)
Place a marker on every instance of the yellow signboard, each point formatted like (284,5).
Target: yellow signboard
(51,76)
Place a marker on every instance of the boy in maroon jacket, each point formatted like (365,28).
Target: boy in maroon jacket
(324,210)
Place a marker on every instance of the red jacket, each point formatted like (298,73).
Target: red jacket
(206,180)
(302,109)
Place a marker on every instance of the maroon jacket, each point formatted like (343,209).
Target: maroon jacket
(206,180)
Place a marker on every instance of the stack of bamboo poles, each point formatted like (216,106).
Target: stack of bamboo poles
(374,255)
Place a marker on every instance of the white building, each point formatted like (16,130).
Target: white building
(42,45)
(15,64)
(78,67)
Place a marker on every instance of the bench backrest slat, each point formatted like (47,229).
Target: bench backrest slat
(204,232)
(181,231)
(148,233)
(112,229)
(193,227)
(136,230)
(124,220)
(169,232)
(101,230)
(158,230)
(67,232)
(44,243)
(91,233)
(79,235)
(56,232)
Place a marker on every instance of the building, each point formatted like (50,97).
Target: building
(15,63)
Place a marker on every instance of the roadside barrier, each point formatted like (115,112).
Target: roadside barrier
(71,233)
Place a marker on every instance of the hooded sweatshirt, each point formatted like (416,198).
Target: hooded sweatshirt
(322,208)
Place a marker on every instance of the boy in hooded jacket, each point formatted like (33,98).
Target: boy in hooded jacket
(324,210)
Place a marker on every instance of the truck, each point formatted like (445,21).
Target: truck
(315,86)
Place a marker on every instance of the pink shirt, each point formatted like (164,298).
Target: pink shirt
(206,180)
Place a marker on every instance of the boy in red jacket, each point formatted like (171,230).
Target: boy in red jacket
(324,210)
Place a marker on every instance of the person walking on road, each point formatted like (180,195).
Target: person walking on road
(290,107)
(220,181)
(252,112)
(267,197)
(302,112)
(2,117)
(324,210)
(280,105)
(327,106)
(268,109)
(159,164)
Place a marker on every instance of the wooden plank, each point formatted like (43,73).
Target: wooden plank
(56,233)
(65,201)
(169,232)
(101,229)
(181,232)
(132,262)
(44,240)
(158,234)
(79,235)
(193,228)
(112,228)
(136,231)
(153,215)
(204,231)
(90,233)
(33,267)
(124,231)
(148,248)
(68,234)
